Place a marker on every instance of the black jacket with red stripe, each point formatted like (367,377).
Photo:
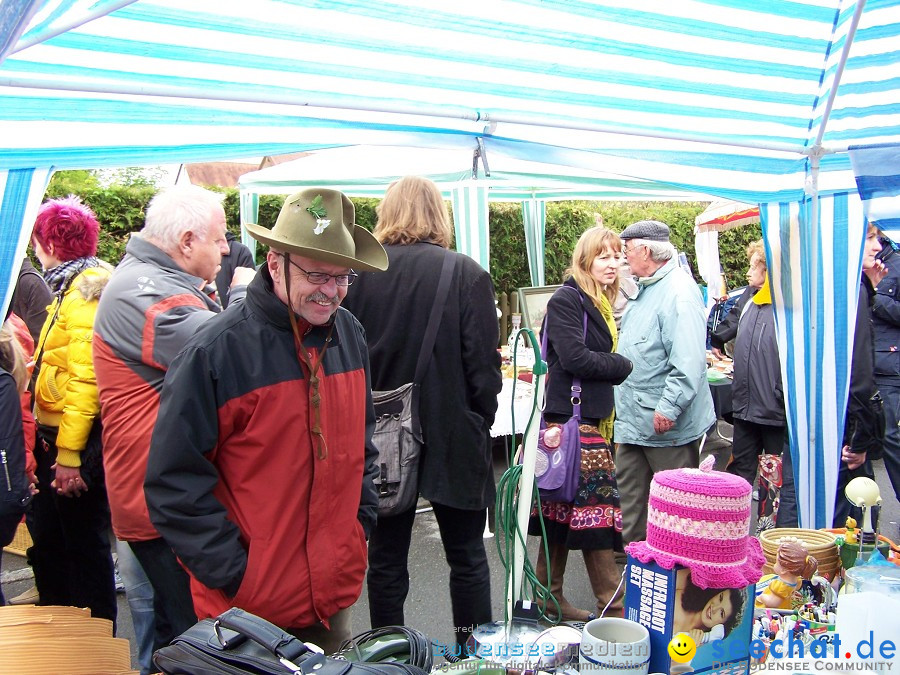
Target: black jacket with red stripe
(233,481)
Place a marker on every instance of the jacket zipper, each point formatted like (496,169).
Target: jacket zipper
(5,469)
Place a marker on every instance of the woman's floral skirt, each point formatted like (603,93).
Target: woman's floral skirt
(594,520)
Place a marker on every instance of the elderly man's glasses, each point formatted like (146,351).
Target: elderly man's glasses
(321,278)
(627,250)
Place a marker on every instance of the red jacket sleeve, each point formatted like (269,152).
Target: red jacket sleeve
(29,428)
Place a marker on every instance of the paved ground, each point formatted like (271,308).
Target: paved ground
(428,606)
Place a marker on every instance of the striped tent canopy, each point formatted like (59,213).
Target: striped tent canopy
(367,171)
(752,100)
(740,92)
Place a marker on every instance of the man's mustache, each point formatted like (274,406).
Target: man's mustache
(319,296)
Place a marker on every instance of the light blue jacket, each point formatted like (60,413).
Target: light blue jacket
(664,335)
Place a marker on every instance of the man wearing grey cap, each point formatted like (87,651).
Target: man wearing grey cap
(664,407)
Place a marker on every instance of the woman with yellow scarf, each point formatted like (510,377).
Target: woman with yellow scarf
(757,394)
(581,344)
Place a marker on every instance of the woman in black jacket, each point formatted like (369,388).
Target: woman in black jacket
(15,491)
(757,392)
(593,522)
(457,403)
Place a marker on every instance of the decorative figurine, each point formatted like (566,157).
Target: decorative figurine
(850,536)
(792,564)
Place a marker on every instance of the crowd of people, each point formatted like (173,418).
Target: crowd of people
(218,418)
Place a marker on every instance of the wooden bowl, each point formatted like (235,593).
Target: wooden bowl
(821,545)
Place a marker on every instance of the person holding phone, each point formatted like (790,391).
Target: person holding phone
(861,441)
(886,330)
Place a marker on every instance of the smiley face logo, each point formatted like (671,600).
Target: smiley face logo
(682,648)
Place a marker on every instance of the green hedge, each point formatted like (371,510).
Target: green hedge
(120,209)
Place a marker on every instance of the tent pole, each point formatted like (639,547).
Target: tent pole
(77,23)
(839,71)
(145,89)
(25,10)
(812,192)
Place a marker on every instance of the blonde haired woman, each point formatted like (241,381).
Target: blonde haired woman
(458,397)
(593,522)
(757,393)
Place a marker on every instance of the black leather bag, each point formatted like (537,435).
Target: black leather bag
(238,642)
(398,437)
(865,427)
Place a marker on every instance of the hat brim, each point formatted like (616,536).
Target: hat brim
(707,574)
(370,254)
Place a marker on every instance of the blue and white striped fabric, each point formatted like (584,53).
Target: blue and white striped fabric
(815,268)
(470,221)
(725,97)
(877,173)
(534,218)
(21,191)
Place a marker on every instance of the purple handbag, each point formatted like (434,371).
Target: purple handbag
(558,464)
(558,468)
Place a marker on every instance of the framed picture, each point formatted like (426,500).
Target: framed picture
(533,305)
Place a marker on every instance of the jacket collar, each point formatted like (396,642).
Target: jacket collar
(659,274)
(588,305)
(152,254)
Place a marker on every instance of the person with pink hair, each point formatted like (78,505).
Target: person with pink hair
(71,554)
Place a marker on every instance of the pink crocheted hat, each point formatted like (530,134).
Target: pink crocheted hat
(700,519)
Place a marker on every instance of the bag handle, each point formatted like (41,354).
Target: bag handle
(283,645)
(440,297)
(437,309)
(576,381)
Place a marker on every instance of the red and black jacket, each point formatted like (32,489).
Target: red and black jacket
(234,483)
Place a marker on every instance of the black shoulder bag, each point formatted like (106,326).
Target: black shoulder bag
(238,643)
(398,434)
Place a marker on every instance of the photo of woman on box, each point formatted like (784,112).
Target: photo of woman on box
(706,614)
(591,523)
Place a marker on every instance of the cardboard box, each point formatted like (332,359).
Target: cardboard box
(651,594)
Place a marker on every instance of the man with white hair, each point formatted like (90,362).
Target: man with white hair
(664,407)
(155,300)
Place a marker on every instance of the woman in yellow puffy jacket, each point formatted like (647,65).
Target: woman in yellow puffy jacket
(71,553)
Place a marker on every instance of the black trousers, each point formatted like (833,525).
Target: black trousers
(890,392)
(172,600)
(71,555)
(787,511)
(750,441)
(462,533)
(8,526)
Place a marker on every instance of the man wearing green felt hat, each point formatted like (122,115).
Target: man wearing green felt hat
(261,466)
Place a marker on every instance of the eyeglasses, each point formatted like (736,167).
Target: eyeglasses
(627,250)
(321,278)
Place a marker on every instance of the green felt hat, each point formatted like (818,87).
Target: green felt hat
(319,223)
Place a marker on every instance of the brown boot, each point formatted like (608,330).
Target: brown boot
(559,555)
(604,575)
